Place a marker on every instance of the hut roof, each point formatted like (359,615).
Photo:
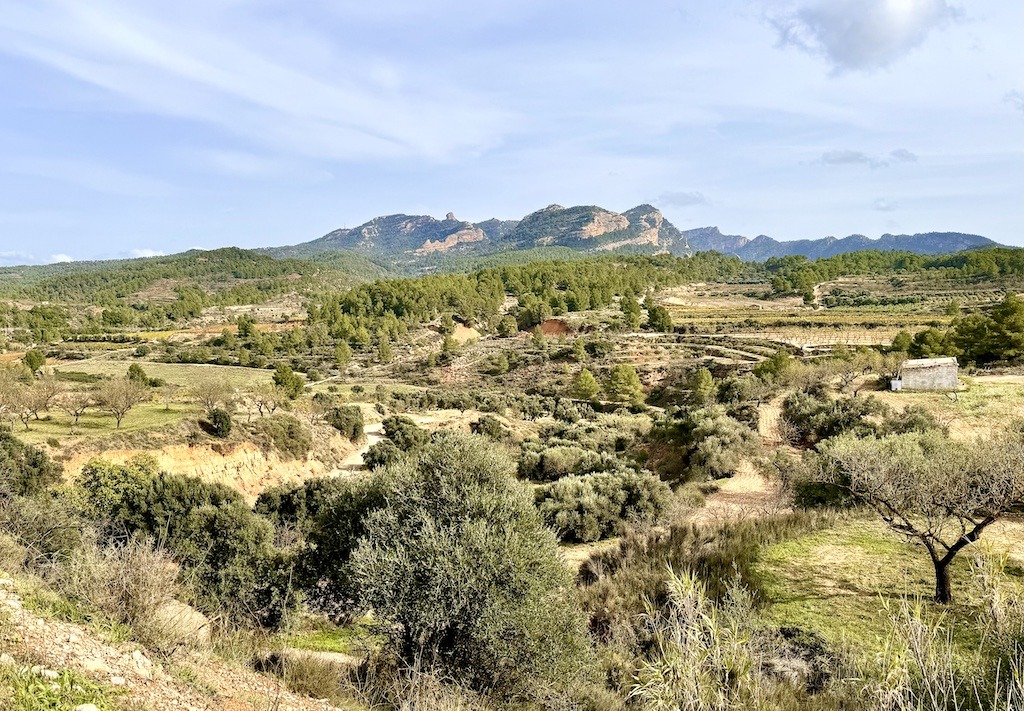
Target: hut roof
(927,363)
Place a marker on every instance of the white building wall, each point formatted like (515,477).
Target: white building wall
(940,377)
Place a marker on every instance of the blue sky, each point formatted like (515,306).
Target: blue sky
(134,128)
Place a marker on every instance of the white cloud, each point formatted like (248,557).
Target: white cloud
(302,98)
(862,34)
(885,205)
(139,253)
(682,199)
(59,258)
(850,157)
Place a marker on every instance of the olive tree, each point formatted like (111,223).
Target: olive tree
(940,493)
(458,566)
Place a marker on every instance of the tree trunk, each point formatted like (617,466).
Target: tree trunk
(943,588)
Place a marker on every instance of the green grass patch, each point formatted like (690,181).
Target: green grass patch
(47,603)
(839,582)
(183,374)
(353,639)
(56,425)
(21,690)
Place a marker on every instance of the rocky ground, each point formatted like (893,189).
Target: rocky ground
(184,680)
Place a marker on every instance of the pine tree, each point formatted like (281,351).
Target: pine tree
(624,385)
(584,386)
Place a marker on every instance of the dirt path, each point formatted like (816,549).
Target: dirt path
(747,494)
(354,462)
(50,646)
(374,432)
(769,421)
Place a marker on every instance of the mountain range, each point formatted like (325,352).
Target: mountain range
(420,238)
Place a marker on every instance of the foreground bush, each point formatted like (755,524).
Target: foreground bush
(129,584)
(459,569)
(225,550)
(24,470)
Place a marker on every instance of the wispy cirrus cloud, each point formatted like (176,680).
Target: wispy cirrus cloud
(861,35)
(86,174)
(332,107)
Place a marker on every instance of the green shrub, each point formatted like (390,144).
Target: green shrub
(225,550)
(461,572)
(813,417)
(297,506)
(333,533)
(382,454)
(913,419)
(24,470)
(489,426)
(220,422)
(284,434)
(404,433)
(588,508)
(699,444)
(565,460)
(348,420)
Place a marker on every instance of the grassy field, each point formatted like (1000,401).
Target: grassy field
(985,405)
(743,310)
(840,581)
(355,638)
(94,424)
(182,374)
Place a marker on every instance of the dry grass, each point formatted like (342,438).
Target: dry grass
(985,405)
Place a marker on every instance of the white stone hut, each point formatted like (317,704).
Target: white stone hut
(927,374)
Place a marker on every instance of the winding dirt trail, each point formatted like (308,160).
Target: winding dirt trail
(374,433)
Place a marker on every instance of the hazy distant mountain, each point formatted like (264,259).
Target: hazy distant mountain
(704,239)
(391,236)
(422,240)
(763,247)
(585,228)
